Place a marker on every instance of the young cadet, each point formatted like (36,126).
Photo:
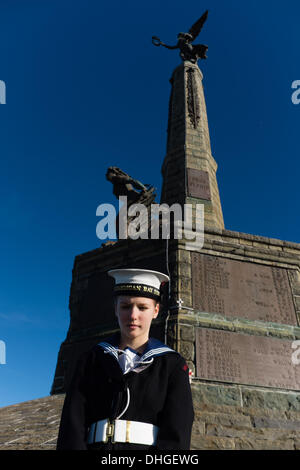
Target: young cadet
(129,392)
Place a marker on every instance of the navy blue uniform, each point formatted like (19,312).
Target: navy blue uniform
(156,391)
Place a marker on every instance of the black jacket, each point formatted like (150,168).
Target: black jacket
(160,394)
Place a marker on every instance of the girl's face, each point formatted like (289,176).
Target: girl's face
(135,315)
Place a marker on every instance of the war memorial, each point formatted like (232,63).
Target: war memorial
(232,307)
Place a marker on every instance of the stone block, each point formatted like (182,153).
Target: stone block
(297,302)
(263,444)
(292,250)
(187,350)
(212,443)
(258,399)
(243,241)
(184,256)
(297,444)
(294,276)
(187,333)
(198,428)
(184,269)
(264,422)
(216,395)
(228,431)
(231,418)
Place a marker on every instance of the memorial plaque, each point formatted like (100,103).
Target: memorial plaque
(242,289)
(198,184)
(246,359)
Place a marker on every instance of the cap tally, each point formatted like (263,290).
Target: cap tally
(138,282)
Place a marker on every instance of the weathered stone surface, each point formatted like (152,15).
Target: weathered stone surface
(216,395)
(187,333)
(212,443)
(198,428)
(297,301)
(226,431)
(187,350)
(189,147)
(260,422)
(238,426)
(274,434)
(232,418)
(272,400)
(297,444)
(264,444)
(31,425)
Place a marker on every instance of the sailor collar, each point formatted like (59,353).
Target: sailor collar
(153,348)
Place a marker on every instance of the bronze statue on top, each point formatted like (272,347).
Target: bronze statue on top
(188,51)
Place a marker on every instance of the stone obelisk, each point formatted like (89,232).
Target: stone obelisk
(189,169)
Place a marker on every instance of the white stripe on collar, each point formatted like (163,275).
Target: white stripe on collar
(109,348)
(157,349)
(156,352)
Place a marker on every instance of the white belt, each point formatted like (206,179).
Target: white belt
(120,430)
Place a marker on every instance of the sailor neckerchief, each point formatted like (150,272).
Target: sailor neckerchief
(130,359)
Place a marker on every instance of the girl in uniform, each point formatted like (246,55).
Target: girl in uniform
(129,392)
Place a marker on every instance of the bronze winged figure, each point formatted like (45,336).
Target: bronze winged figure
(188,51)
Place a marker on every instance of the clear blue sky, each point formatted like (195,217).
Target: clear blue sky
(86,89)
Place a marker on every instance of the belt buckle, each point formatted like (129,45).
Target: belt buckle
(110,430)
(128,423)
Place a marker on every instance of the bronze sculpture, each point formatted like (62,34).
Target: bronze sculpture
(125,185)
(135,191)
(188,51)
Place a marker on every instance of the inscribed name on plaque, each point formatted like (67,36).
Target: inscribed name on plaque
(242,289)
(225,356)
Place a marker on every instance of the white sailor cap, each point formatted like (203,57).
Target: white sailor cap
(138,282)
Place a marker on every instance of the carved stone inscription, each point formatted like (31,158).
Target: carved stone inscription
(242,289)
(192,98)
(245,359)
(198,184)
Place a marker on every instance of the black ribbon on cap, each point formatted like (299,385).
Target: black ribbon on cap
(139,290)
